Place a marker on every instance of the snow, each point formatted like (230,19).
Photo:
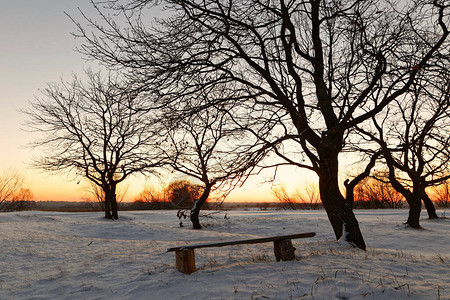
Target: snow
(53,255)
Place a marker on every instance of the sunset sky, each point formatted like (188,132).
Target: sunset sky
(37,48)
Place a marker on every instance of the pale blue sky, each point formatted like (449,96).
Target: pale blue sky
(36,47)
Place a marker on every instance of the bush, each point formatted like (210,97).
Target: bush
(182,193)
(372,193)
(442,194)
(22,200)
(150,198)
(307,197)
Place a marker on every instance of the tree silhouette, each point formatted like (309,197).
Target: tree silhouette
(11,183)
(306,72)
(182,193)
(95,129)
(413,138)
(206,147)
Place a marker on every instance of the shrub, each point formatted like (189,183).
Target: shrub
(372,193)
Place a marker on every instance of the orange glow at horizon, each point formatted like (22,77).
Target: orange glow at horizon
(59,188)
(68,188)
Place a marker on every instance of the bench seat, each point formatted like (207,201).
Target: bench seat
(185,256)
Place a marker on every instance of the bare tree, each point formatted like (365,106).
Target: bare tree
(151,194)
(11,182)
(351,185)
(96,130)
(414,141)
(97,195)
(309,195)
(442,194)
(284,198)
(182,194)
(305,197)
(22,200)
(374,193)
(307,72)
(152,198)
(205,147)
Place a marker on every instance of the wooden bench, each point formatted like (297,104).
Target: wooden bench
(185,257)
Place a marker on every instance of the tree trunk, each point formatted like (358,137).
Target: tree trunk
(110,203)
(413,198)
(114,208)
(431,210)
(351,184)
(415,206)
(349,192)
(339,211)
(195,211)
(107,206)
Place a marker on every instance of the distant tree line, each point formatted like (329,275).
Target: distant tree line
(14,196)
(370,193)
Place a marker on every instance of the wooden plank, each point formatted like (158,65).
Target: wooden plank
(250,241)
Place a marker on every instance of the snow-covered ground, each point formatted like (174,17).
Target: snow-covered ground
(50,255)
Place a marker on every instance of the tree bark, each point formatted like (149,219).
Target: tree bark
(107,207)
(195,211)
(412,198)
(415,206)
(431,210)
(111,211)
(339,211)
(114,208)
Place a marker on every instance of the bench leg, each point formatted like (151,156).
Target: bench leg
(284,250)
(185,261)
